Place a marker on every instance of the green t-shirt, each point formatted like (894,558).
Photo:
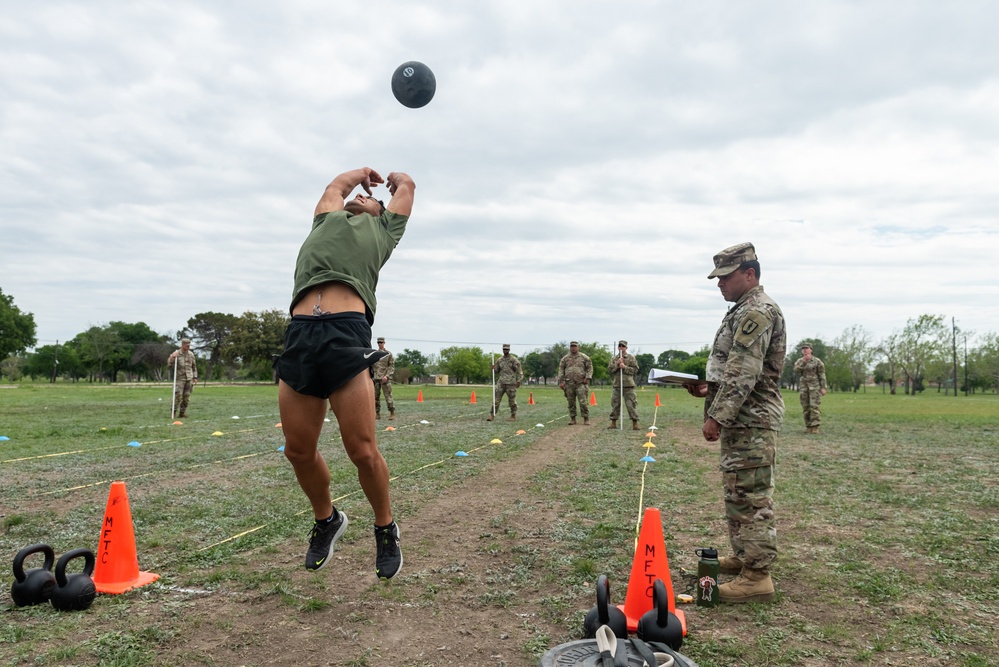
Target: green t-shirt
(348,248)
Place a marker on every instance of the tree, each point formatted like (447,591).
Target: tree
(888,348)
(669,356)
(983,363)
(210,332)
(466,364)
(97,346)
(17,329)
(645,364)
(924,341)
(256,338)
(412,360)
(600,356)
(856,353)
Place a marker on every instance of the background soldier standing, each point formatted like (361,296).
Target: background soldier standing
(744,411)
(187,375)
(622,369)
(574,373)
(508,377)
(384,371)
(812,386)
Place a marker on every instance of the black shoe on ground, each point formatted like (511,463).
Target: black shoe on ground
(324,535)
(388,560)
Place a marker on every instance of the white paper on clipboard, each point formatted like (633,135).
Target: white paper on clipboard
(657,376)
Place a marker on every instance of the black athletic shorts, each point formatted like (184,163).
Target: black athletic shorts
(321,353)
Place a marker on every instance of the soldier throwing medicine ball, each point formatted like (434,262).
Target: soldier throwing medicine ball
(509,375)
(622,370)
(327,354)
(575,370)
(811,387)
(382,373)
(743,410)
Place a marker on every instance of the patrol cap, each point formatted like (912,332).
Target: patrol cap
(185,340)
(381,339)
(806,344)
(506,346)
(622,343)
(729,259)
(575,342)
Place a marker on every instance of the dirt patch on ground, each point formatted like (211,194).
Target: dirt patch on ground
(457,551)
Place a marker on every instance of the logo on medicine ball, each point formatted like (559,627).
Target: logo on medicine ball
(408,72)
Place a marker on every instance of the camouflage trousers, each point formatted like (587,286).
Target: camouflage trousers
(577,391)
(387,388)
(182,396)
(630,402)
(810,398)
(749,495)
(510,391)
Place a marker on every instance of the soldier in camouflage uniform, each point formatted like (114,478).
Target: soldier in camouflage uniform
(622,370)
(575,370)
(187,376)
(743,410)
(811,386)
(508,378)
(382,373)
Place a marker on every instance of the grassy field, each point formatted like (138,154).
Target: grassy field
(888,526)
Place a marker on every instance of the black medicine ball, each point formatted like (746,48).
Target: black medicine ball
(413,84)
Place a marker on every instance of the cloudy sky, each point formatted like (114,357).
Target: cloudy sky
(579,166)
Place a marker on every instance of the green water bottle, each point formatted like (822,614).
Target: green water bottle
(707,577)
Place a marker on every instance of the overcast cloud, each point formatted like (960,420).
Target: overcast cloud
(579,166)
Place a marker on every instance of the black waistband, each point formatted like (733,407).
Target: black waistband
(346,315)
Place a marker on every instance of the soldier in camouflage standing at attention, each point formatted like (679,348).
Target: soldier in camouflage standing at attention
(575,370)
(508,378)
(187,375)
(811,387)
(622,370)
(383,372)
(743,410)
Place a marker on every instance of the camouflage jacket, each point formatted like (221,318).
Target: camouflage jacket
(508,370)
(187,366)
(812,372)
(743,371)
(385,367)
(627,373)
(574,368)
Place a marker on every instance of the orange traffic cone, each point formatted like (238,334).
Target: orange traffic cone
(658,404)
(650,563)
(593,398)
(419,397)
(117,567)
(530,399)
(472,399)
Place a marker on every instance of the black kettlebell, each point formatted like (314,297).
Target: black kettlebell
(34,586)
(605,613)
(659,624)
(74,592)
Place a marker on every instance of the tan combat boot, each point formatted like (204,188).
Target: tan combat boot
(613,425)
(392,414)
(586,421)
(572,421)
(512,418)
(813,429)
(749,586)
(490,418)
(729,565)
(378,414)
(634,425)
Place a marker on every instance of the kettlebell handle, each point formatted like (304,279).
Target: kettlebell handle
(88,566)
(603,599)
(661,603)
(27,551)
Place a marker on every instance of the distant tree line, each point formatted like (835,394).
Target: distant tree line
(926,352)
